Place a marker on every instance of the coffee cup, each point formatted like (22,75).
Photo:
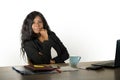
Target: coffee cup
(74,60)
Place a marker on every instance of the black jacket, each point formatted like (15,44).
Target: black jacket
(40,53)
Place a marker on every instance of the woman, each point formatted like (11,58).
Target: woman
(38,39)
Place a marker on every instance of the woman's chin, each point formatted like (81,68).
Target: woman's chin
(37,32)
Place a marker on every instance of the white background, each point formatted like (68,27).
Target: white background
(88,28)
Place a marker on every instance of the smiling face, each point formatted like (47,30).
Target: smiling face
(37,25)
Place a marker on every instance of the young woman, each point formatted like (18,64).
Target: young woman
(37,40)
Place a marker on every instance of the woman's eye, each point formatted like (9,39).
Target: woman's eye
(40,21)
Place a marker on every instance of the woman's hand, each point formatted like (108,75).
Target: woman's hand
(52,61)
(43,35)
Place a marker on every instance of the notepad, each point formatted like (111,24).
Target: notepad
(41,68)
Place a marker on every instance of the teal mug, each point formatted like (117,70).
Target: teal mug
(74,60)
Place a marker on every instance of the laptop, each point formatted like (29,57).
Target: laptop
(112,63)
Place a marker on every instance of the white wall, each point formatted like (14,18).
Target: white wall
(88,28)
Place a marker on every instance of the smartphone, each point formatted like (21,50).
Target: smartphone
(94,67)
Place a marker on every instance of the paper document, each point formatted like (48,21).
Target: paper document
(68,68)
(83,67)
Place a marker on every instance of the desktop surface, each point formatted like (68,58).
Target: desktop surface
(7,73)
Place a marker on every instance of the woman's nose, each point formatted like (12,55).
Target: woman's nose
(37,25)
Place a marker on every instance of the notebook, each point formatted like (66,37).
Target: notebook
(36,69)
(112,63)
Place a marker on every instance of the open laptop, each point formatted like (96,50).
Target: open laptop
(112,63)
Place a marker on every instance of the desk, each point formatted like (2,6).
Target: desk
(7,73)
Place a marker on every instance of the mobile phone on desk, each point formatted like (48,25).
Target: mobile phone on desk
(94,67)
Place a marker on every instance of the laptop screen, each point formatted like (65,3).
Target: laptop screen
(117,56)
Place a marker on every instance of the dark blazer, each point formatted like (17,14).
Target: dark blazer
(40,53)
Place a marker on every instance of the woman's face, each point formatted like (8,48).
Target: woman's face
(37,25)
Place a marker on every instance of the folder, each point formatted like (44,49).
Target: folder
(29,70)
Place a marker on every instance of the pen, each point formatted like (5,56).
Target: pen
(59,71)
(38,66)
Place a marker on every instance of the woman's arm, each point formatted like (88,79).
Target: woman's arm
(64,53)
(35,55)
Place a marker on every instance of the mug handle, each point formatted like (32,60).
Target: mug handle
(79,58)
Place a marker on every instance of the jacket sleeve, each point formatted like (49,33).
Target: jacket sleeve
(64,53)
(34,55)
